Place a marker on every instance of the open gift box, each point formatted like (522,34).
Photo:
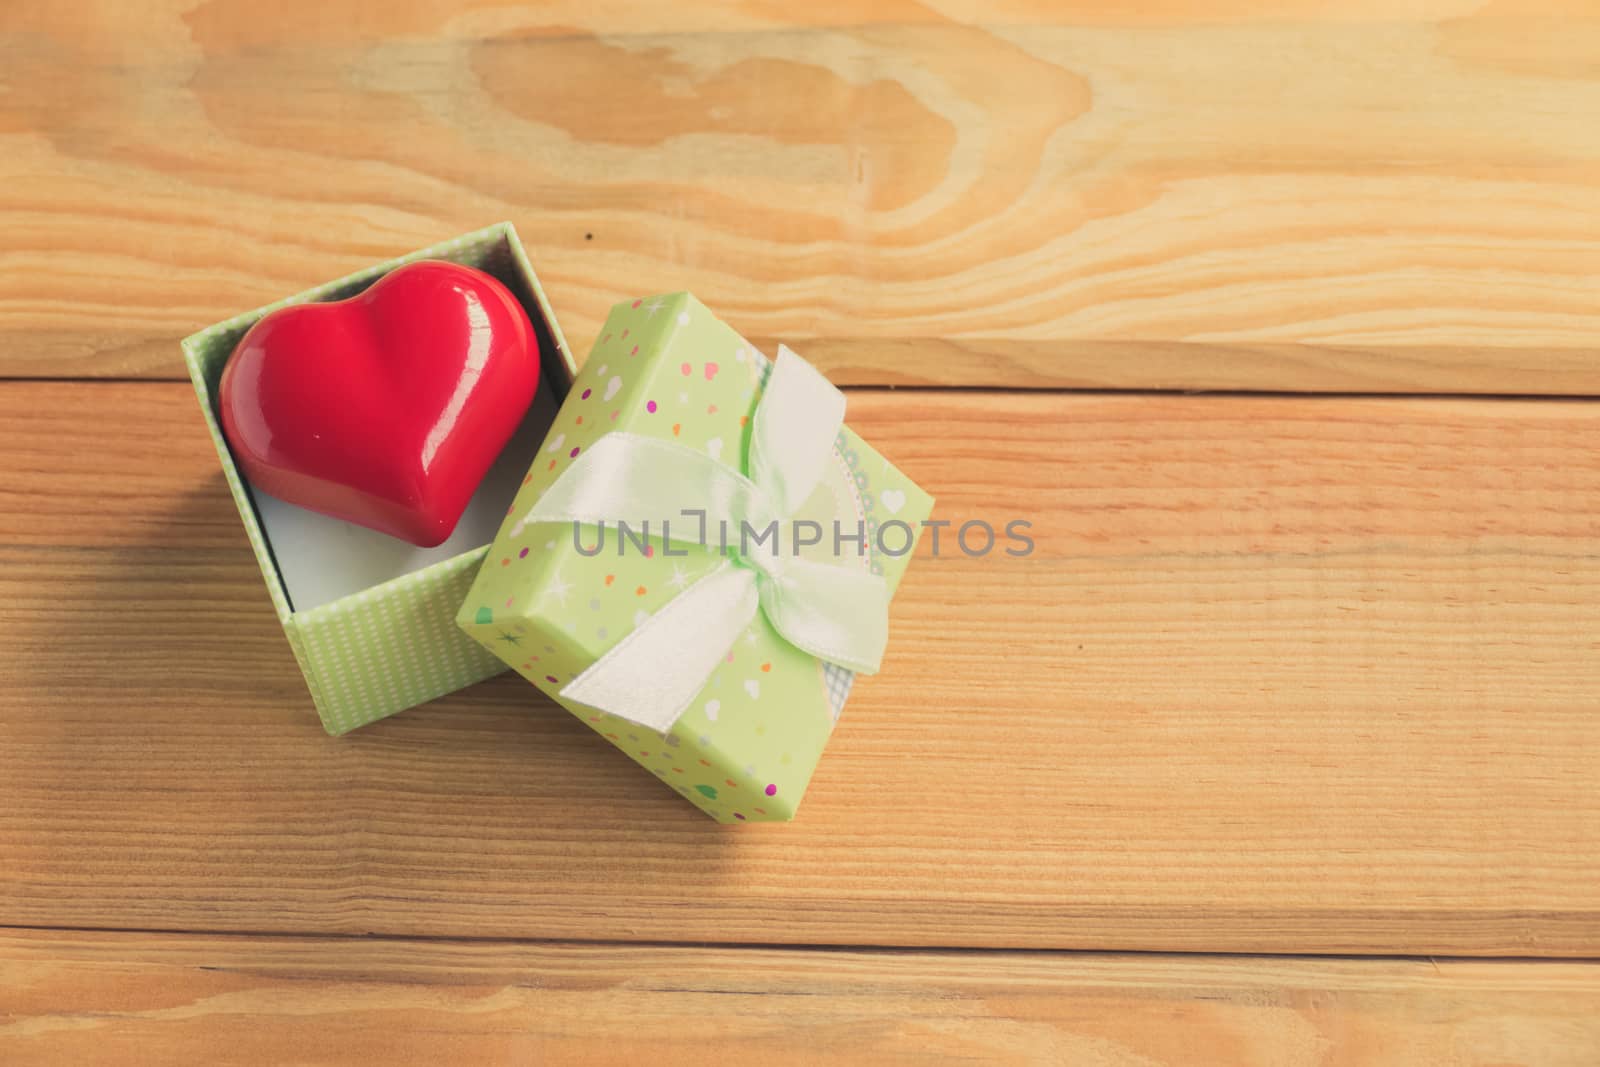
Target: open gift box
(371,619)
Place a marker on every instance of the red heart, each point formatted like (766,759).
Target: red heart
(388,408)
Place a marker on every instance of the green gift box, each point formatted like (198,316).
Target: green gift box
(552,598)
(370,619)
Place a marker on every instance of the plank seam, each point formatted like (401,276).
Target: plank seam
(1013,390)
(776,946)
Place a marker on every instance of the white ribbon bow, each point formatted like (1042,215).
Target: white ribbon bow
(839,614)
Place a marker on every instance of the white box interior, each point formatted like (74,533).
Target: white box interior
(320,559)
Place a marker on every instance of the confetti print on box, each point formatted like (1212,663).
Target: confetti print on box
(745,749)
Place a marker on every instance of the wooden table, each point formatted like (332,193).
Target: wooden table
(1278,321)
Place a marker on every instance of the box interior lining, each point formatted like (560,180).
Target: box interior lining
(494,256)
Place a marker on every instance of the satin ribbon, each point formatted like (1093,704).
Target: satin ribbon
(837,613)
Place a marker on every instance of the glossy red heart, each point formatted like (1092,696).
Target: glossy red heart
(388,408)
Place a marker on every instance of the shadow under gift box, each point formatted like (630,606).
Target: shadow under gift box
(668,368)
(371,619)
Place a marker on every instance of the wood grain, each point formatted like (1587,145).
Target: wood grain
(1283,674)
(91,999)
(1312,195)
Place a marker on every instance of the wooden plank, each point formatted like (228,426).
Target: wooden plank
(1283,674)
(1323,195)
(88,999)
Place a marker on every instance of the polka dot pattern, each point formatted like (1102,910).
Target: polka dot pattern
(747,746)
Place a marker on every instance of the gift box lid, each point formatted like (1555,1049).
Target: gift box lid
(667,368)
